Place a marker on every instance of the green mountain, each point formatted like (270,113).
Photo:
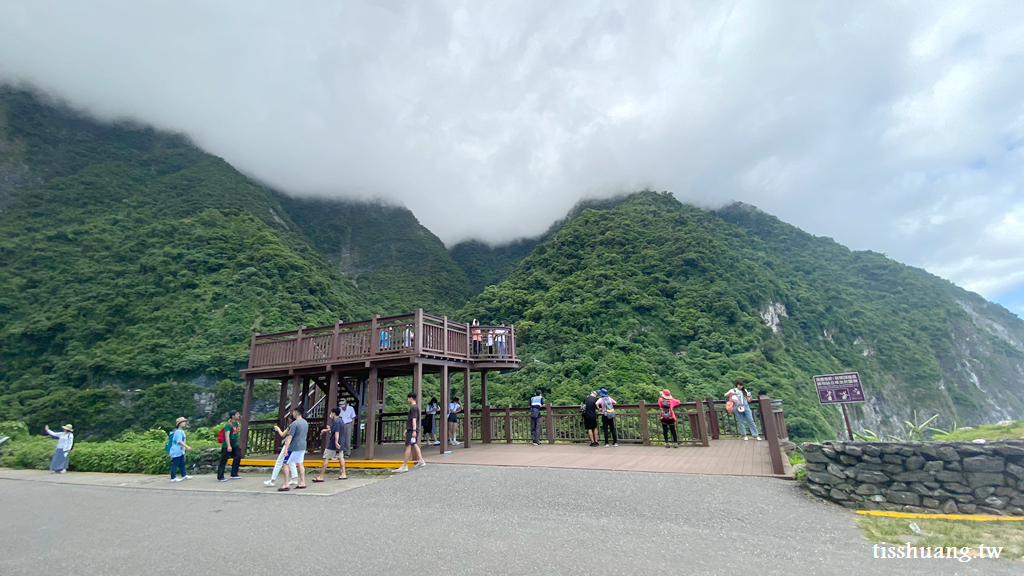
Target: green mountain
(397,264)
(649,293)
(129,256)
(134,268)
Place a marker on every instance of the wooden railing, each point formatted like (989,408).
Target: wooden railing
(722,424)
(407,334)
(263,440)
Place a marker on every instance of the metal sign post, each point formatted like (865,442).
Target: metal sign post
(840,389)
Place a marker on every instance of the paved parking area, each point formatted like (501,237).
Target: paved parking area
(450,520)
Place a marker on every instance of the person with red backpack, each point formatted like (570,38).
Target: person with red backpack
(667,413)
(228,438)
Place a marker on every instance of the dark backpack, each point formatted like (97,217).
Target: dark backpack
(667,413)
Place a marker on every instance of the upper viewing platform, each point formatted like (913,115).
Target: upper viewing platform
(393,341)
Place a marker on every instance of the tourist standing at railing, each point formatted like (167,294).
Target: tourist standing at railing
(536,403)
(477,336)
(65,443)
(333,449)
(607,406)
(740,397)
(499,340)
(589,410)
(667,414)
(490,341)
(348,418)
(412,436)
(280,459)
(295,445)
(429,424)
(453,421)
(229,448)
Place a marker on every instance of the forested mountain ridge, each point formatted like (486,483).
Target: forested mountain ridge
(651,292)
(131,259)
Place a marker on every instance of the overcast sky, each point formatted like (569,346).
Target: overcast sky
(895,127)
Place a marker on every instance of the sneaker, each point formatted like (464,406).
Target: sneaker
(402,468)
(437,442)
(676,445)
(759,438)
(175,479)
(607,445)
(236,477)
(294,482)
(746,437)
(667,445)
(187,477)
(419,464)
(616,444)
(268,483)
(222,479)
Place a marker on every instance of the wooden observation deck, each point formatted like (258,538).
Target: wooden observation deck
(353,361)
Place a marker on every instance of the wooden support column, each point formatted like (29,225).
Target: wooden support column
(332,395)
(550,423)
(508,424)
(771,435)
(713,419)
(381,398)
(485,410)
(417,389)
(702,423)
(374,338)
(418,335)
(296,385)
(371,412)
(445,399)
(467,420)
(246,409)
(282,401)
(645,433)
(305,396)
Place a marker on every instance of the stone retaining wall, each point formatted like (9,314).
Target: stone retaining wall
(923,477)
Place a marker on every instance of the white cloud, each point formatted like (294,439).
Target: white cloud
(897,127)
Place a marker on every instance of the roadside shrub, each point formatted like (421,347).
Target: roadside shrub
(13,429)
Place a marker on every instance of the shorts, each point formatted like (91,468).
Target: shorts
(409,440)
(590,423)
(296,457)
(333,455)
(428,424)
(453,417)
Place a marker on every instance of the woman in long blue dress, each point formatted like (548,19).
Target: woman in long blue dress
(65,442)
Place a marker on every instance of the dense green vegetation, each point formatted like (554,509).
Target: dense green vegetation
(1009,430)
(651,293)
(397,264)
(135,268)
(129,256)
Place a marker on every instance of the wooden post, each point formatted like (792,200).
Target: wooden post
(702,423)
(305,396)
(253,360)
(771,435)
(445,400)
(550,423)
(485,410)
(846,417)
(336,341)
(417,336)
(467,424)
(295,393)
(374,339)
(278,441)
(297,352)
(243,438)
(713,419)
(645,434)
(379,402)
(332,394)
(444,335)
(508,424)
(371,412)
(417,389)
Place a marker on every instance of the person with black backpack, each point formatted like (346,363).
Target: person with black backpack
(589,411)
(667,413)
(536,403)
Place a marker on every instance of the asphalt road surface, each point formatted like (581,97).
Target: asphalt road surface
(449,520)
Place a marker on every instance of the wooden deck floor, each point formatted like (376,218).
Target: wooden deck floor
(731,457)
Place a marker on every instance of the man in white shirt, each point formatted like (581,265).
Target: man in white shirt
(348,416)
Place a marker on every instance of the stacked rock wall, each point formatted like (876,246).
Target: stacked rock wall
(924,477)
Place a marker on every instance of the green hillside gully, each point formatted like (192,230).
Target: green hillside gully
(135,267)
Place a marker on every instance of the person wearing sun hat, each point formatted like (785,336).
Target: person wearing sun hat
(178,449)
(667,413)
(65,442)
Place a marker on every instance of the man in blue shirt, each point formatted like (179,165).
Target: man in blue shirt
(535,405)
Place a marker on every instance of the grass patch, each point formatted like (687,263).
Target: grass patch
(1012,431)
(945,533)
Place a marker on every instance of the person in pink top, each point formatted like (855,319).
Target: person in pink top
(667,411)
